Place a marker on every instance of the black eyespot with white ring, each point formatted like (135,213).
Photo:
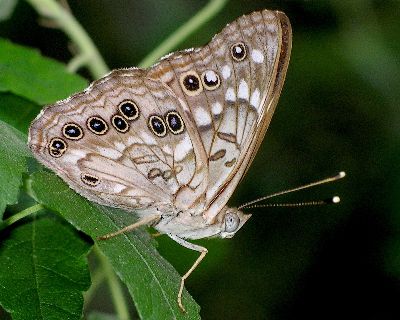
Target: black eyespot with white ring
(119,123)
(72,131)
(90,179)
(238,51)
(97,125)
(174,122)
(157,126)
(57,147)
(211,80)
(129,110)
(191,83)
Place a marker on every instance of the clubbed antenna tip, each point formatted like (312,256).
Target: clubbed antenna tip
(332,200)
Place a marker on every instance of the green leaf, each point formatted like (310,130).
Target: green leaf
(151,280)
(24,72)
(43,271)
(13,153)
(17,112)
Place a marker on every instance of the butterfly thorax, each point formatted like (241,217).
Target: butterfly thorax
(189,225)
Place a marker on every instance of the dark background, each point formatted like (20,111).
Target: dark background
(338,111)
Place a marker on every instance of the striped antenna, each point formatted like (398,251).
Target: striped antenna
(251,204)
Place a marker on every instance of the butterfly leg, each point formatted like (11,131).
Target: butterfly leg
(146,220)
(203,251)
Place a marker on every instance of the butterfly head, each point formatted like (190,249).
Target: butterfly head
(231,220)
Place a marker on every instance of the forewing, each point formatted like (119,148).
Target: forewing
(235,98)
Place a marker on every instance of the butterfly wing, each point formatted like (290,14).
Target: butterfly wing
(229,90)
(120,143)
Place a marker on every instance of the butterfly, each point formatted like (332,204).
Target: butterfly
(171,142)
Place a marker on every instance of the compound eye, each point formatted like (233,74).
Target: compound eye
(231,222)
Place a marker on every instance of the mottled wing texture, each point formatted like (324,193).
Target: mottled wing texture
(228,90)
(179,135)
(114,145)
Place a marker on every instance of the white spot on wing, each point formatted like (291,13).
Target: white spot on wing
(74,155)
(118,188)
(255,99)
(109,153)
(211,76)
(148,139)
(226,72)
(202,117)
(182,149)
(243,90)
(216,108)
(167,149)
(119,146)
(257,56)
(230,95)
(133,139)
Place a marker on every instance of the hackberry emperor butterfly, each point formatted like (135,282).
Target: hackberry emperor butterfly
(172,142)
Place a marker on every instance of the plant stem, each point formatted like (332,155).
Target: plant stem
(114,285)
(20,215)
(76,62)
(98,277)
(66,21)
(180,34)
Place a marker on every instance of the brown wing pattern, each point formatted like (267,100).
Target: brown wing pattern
(181,133)
(239,74)
(129,164)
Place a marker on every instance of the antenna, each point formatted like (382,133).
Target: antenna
(335,199)
(332,200)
